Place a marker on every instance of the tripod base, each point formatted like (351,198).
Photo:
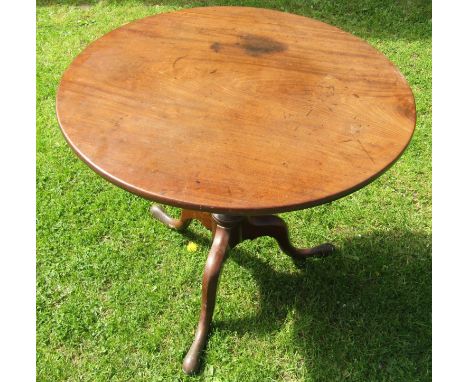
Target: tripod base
(228,231)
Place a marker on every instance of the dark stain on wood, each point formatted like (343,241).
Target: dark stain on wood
(253,45)
(406,110)
(216,46)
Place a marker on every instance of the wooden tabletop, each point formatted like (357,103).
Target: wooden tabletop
(235,110)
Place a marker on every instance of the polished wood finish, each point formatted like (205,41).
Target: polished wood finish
(235,110)
(228,231)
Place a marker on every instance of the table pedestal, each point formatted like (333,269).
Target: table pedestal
(228,231)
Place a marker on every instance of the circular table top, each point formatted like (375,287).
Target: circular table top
(235,110)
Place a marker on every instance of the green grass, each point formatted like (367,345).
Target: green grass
(118,293)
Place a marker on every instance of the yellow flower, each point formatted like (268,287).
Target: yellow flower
(191,246)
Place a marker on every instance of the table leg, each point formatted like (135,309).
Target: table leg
(186,217)
(275,227)
(211,274)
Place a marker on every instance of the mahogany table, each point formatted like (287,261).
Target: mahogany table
(234,113)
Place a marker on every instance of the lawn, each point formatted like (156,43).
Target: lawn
(118,294)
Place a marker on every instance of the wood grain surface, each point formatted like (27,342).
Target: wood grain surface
(235,110)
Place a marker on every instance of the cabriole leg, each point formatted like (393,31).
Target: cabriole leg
(211,274)
(186,217)
(275,227)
